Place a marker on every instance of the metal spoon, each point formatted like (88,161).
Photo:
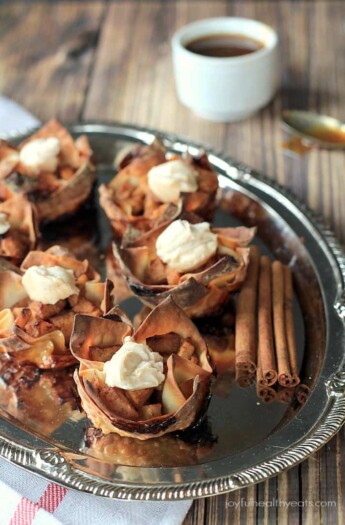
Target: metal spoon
(321,130)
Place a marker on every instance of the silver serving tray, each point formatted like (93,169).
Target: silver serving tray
(244,441)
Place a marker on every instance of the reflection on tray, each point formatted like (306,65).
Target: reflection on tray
(78,233)
(188,448)
(41,400)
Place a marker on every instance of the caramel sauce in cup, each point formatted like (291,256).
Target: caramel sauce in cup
(224,45)
(226,69)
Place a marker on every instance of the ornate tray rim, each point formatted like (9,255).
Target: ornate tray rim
(51,464)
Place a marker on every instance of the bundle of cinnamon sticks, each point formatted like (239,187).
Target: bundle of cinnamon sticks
(264,332)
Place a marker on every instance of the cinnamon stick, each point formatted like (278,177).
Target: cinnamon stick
(267,393)
(267,376)
(302,393)
(285,394)
(289,326)
(282,353)
(244,378)
(245,328)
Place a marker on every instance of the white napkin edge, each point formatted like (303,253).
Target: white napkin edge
(14,119)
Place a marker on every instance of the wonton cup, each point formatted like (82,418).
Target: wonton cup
(151,412)
(39,334)
(23,232)
(54,194)
(129,203)
(199,292)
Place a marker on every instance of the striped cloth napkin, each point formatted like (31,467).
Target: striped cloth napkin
(26,499)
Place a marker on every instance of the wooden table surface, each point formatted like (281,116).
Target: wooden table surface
(111,61)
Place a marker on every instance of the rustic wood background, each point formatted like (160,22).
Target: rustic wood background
(111,61)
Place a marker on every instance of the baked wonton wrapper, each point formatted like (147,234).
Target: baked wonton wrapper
(54,194)
(199,292)
(129,203)
(23,233)
(39,334)
(151,412)
(218,331)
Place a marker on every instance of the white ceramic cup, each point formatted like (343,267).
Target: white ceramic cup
(226,89)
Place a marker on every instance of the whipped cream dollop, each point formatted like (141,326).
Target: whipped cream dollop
(40,155)
(168,180)
(184,246)
(4,224)
(134,366)
(49,285)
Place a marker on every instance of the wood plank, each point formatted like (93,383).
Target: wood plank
(197,513)
(310,484)
(329,489)
(265,495)
(145,62)
(340,438)
(53,76)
